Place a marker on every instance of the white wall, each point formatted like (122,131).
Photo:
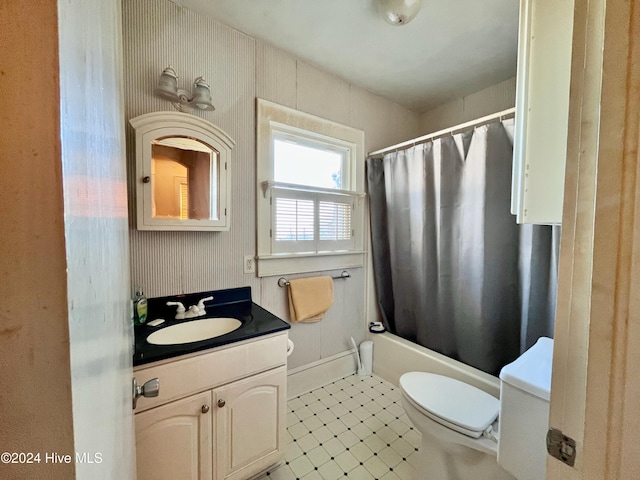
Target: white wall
(490,100)
(157,33)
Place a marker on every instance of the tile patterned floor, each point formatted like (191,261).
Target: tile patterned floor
(354,428)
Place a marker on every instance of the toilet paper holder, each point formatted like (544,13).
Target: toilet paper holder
(376,327)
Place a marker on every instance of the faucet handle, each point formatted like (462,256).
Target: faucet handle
(180,310)
(201,304)
(192,312)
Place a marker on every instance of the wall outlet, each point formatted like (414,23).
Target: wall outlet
(249,264)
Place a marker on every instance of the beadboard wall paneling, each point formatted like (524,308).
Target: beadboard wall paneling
(479,104)
(329,336)
(490,100)
(283,79)
(322,94)
(383,122)
(319,93)
(157,33)
(276,75)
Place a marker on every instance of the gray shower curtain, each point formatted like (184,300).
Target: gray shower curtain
(453,271)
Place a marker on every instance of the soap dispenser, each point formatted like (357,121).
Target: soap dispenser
(140,307)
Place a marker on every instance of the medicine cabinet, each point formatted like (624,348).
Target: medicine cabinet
(542,110)
(182,173)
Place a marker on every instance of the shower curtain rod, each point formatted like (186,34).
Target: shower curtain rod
(504,114)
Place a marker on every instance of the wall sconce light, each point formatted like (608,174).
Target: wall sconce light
(167,88)
(399,12)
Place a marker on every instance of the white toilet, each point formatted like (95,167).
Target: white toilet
(461,435)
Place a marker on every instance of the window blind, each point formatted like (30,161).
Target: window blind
(311,222)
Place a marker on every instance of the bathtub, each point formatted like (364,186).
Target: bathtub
(393,356)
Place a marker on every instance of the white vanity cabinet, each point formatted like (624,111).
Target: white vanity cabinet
(219,415)
(248,434)
(174,440)
(542,110)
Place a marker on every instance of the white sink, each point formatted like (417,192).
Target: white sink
(194,331)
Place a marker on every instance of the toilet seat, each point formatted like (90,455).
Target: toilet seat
(454,404)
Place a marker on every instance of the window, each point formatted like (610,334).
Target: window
(301,161)
(307,216)
(310,205)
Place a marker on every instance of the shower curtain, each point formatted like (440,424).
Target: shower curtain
(453,271)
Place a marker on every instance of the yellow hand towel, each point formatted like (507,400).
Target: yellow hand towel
(310,298)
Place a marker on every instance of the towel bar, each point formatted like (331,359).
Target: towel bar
(283,282)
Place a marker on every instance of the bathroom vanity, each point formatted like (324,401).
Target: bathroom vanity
(220,411)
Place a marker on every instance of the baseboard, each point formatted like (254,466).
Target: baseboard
(314,375)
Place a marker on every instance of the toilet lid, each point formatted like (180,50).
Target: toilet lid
(450,402)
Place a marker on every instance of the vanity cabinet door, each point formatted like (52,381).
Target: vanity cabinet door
(173,441)
(250,423)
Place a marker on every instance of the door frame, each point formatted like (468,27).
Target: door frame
(595,393)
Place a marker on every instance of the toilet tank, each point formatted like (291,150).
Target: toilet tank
(525,386)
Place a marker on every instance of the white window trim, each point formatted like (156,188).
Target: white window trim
(271,118)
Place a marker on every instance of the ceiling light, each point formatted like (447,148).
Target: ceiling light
(399,12)
(167,88)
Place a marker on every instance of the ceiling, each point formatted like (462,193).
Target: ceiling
(452,48)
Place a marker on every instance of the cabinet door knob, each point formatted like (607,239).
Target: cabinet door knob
(221,403)
(205,408)
(146,179)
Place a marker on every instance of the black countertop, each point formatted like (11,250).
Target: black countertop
(234,302)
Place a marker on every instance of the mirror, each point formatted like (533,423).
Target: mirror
(182,173)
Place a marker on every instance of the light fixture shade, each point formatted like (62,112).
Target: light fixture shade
(202,94)
(167,87)
(399,12)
